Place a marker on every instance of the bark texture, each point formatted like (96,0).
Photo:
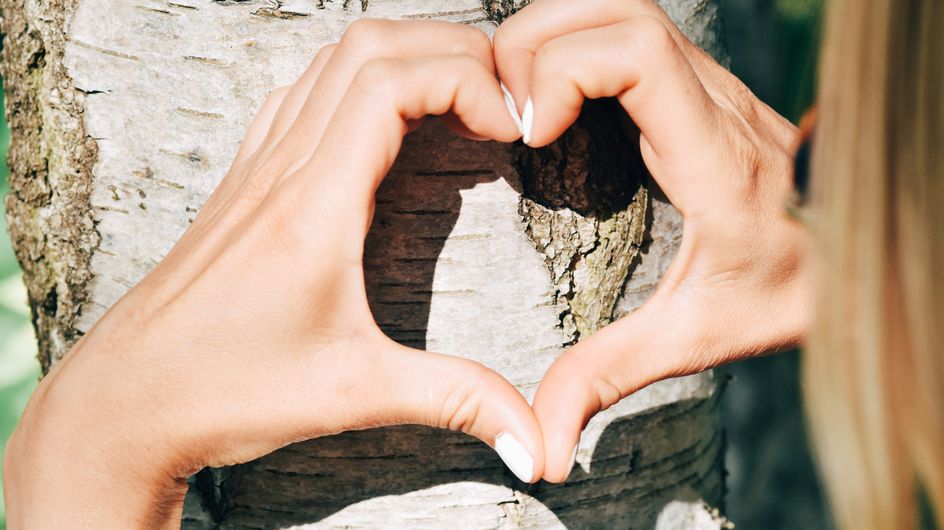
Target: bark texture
(125,115)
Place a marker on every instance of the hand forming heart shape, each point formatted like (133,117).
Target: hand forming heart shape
(300,195)
(722,157)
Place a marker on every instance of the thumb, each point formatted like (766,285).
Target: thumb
(653,343)
(449,392)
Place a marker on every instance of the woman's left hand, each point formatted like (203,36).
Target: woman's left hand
(724,158)
(254,332)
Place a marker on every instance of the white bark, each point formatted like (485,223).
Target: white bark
(456,262)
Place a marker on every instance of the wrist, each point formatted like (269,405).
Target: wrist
(76,464)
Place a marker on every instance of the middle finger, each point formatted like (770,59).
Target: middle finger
(518,39)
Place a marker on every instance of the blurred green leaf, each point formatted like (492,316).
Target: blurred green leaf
(13,295)
(18,356)
(799,10)
(19,369)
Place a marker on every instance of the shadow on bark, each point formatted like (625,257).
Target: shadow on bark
(418,205)
(626,487)
(635,464)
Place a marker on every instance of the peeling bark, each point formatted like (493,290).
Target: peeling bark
(50,159)
(125,115)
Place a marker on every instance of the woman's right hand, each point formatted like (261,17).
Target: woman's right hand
(254,331)
(723,158)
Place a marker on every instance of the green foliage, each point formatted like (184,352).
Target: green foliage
(19,369)
(800,10)
(798,25)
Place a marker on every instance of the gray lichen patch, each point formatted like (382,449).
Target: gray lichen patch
(50,159)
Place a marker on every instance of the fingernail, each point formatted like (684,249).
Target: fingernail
(515,456)
(510,103)
(527,117)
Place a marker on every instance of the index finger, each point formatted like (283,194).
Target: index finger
(365,134)
(640,64)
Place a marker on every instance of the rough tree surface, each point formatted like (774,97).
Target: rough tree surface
(126,113)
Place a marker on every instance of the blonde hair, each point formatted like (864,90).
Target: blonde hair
(873,371)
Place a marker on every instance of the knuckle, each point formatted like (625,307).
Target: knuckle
(463,71)
(606,391)
(648,38)
(503,38)
(475,42)
(464,414)
(365,35)
(744,100)
(378,77)
(461,410)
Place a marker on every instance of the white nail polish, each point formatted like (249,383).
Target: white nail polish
(515,456)
(527,118)
(510,103)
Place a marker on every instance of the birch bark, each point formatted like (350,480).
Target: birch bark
(124,116)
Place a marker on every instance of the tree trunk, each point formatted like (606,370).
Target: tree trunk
(126,113)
